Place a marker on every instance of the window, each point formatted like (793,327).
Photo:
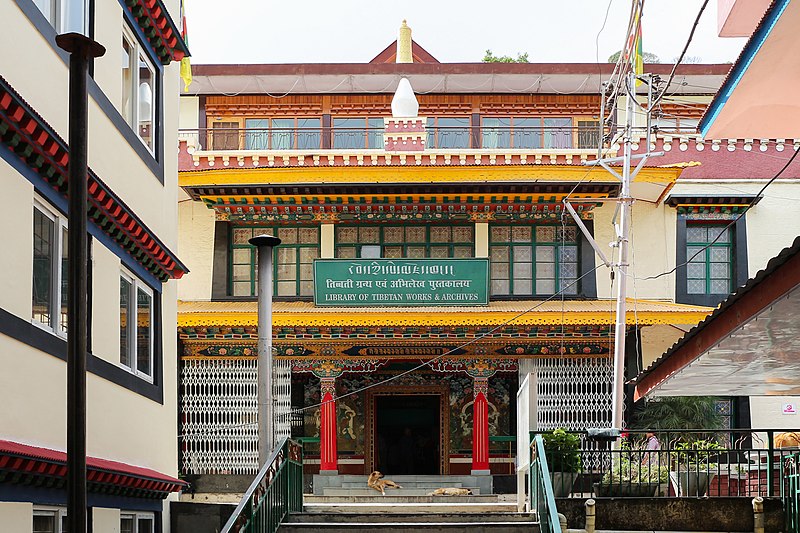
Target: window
(355,133)
(140,95)
(676,125)
(292,265)
(588,134)
(136,522)
(136,336)
(49,269)
(526,132)
(709,270)
(528,260)
(283,134)
(395,242)
(225,136)
(49,520)
(66,15)
(448,132)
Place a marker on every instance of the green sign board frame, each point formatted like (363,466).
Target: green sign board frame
(401,282)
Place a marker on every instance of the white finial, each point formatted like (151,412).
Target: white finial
(404,103)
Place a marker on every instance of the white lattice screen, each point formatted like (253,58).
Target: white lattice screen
(220,413)
(574,393)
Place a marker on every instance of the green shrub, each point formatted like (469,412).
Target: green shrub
(562,451)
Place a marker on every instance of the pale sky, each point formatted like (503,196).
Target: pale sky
(354,31)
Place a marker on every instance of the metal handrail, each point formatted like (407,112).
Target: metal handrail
(542,496)
(275,492)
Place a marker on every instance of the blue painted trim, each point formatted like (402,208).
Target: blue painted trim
(12,492)
(738,70)
(154,162)
(60,202)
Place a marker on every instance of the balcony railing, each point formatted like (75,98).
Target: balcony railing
(686,463)
(441,138)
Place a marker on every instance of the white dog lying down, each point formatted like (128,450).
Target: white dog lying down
(451,491)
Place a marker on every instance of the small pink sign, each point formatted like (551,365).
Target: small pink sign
(789,409)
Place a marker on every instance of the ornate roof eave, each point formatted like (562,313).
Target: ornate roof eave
(572,312)
(159,28)
(27,134)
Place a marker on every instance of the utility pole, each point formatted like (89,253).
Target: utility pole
(82,52)
(266,411)
(622,232)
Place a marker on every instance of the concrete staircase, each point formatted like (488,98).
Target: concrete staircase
(346,504)
(450,522)
(413,485)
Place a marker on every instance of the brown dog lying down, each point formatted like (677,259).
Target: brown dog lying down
(374,481)
(787,440)
(451,491)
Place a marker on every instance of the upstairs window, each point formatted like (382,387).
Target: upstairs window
(413,242)
(136,326)
(526,132)
(282,134)
(140,94)
(49,269)
(292,261)
(355,133)
(448,132)
(66,15)
(710,264)
(533,260)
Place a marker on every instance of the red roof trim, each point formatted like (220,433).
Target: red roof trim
(390,52)
(19,457)
(25,132)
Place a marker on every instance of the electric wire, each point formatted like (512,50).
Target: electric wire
(409,371)
(730,224)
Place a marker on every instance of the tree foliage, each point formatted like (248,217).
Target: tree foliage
(489,57)
(678,412)
(647,57)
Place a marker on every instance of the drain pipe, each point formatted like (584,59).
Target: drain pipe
(758,514)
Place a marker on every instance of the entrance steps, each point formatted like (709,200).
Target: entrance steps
(413,485)
(450,521)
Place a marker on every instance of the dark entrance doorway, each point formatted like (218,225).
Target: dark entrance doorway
(407,434)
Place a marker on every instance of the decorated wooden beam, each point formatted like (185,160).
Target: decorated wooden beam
(162,34)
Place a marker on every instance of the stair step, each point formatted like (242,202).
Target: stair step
(412,527)
(397,496)
(413,491)
(408,483)
(352,518)
(439,506)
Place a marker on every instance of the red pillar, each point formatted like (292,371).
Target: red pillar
(327,427)
(480,427)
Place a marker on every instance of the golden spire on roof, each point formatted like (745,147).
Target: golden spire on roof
(404,44)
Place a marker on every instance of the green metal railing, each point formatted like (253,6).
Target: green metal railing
(276,491)
(542,498)
(790,492)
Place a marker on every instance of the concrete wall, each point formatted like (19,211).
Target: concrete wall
(16,517)
(195,248)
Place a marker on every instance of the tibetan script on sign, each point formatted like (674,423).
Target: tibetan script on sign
(401,282)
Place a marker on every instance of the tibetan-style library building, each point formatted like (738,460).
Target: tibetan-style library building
(427,264)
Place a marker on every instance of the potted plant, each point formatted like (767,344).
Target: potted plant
(562,451)
(692,466)
(633,473)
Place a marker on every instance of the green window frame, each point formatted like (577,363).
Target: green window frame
(535,260)
(709,268)
(292,261)
(405,241)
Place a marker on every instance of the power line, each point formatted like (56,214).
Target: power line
(731,223)
(683,53)
(414,369)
